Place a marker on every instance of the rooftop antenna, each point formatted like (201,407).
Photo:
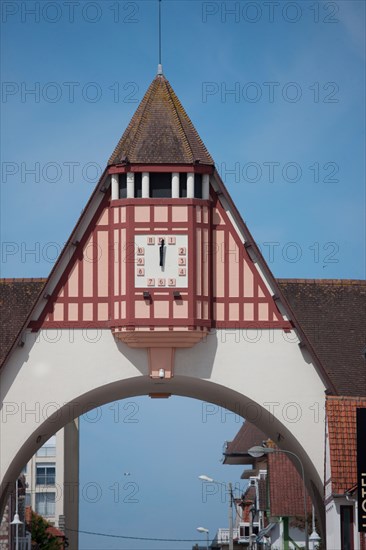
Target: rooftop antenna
(160,66)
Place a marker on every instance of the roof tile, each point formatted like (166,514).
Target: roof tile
(341,415)
(332,313)
(248,436)
(285,487)
(160,132)
(17,297)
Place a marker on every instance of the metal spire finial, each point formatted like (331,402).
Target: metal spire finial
(160,66)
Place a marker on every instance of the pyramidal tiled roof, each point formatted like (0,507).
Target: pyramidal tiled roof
(160,132)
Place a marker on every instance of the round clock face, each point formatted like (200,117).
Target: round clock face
(161,261)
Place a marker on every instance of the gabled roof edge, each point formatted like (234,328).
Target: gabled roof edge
(69,241)
(263,264)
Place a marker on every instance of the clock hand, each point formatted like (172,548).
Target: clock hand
(161,263)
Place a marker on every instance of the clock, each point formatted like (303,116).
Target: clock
(161,261)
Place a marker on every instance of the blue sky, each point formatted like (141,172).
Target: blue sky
(276,91)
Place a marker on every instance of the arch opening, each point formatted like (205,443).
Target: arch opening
(217,395)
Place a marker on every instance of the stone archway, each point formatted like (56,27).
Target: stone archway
(262,376)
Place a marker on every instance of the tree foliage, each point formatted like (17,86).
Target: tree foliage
(41,538)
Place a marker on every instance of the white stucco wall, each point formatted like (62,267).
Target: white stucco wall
(59,375)
(333,520)
(277,537)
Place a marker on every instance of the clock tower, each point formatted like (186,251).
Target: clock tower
(160,172)
(163,257)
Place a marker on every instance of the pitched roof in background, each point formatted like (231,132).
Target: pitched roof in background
(160,132)
(52,530)
(332,313)
(248,436)
(341,415)
(17,297)
(286,494)
(285,483)
(55,532)
(262,494)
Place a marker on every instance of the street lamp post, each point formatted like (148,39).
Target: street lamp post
(314,538)
(258,451)
(230,509)
(252,512)
(230,512)
(204,530)
(16,521)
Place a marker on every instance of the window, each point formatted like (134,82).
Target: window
(45,504)
(245,530)
(138,185)
(347,528)
(183,185)
(160,185)
(198,186)
(49,448)
(45,474)
(123,186)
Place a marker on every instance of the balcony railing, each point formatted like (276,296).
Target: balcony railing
(46,479)
(223,535)
(25,543)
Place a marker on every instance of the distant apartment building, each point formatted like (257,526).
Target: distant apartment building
(49,484)
(44,476)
